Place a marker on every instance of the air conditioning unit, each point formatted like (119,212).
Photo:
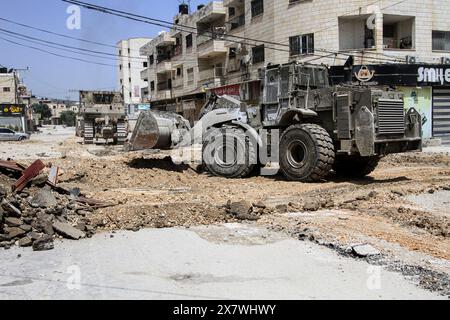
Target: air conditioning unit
(445,60)
(411,60)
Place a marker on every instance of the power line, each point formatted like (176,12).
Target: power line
(58,55)
(173,26)
(71,47)
(61,35)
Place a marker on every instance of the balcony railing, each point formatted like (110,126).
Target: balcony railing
(211,74)
(179,82)
(216,33)
(163,86)
(236,22)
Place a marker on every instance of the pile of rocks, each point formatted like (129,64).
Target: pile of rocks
(38,215)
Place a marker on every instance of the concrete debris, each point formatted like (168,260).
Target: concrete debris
(37,211)
(43,199)
(43,243)
(67,231)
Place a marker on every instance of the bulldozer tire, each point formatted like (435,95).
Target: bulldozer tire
(355,167)
(306,153)
(229,153)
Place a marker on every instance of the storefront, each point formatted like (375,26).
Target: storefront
(426,88)
(13,116)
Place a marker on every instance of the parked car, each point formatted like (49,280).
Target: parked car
(10,135)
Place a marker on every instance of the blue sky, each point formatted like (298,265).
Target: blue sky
(52,76)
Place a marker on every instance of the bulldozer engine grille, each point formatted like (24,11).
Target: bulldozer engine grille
(391,117)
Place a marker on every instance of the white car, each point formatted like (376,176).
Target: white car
(10,135)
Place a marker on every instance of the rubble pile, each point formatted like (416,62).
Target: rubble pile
(35,216)
(40,212)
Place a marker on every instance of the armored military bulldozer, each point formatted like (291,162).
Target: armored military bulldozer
(303,123)
(102,118)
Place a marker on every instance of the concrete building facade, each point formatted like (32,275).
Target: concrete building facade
(131,64)
(8,86)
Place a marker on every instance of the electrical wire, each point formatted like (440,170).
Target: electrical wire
(174,26)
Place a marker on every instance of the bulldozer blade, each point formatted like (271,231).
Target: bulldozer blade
(146,133)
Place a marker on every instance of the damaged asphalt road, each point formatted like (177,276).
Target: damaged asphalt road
(236,261)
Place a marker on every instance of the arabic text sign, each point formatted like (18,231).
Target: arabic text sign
(12,110)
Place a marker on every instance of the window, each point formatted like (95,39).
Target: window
(190,75)
(152,85)
(152,59)
(120,67)
(258,54)
(301,45)
(189,41)
(120,52)
(6,89)
(257,7)
(129,65)
(129,80)
(231,12)
(441,40)
(145,64)
(179,72)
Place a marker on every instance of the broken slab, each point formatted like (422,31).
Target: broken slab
(44,199)
(44,243)
(67,231)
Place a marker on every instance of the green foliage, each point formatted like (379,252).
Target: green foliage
(68,118)
(43,110)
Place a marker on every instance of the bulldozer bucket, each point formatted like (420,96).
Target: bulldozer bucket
(156,130)
(146,133)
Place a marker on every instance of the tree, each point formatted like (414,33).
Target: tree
(43,110)
(68,118)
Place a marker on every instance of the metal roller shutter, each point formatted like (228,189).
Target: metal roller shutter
(441,114)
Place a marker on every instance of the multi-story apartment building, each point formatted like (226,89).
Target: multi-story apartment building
(222,46)
(8,86)
(131,64)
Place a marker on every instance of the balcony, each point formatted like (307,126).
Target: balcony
(213,11)
(147,49)
(233,3)
(178,82)
(163,95)
(163,40)
(144,74)
(210,45)
(235,23)
(212,77)
(164,67)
